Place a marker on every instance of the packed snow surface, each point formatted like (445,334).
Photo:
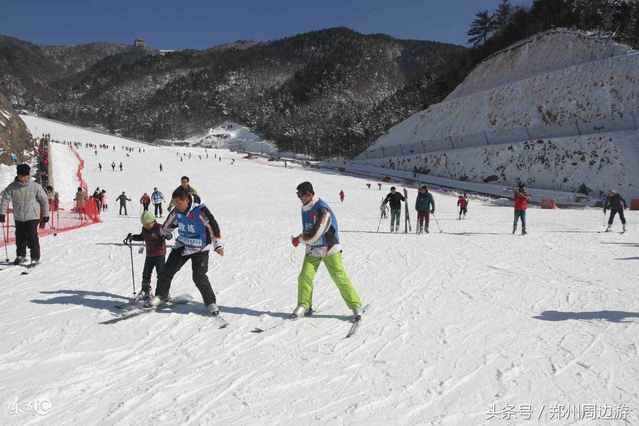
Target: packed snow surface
(460,325)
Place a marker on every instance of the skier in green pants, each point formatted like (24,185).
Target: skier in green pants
(321,236)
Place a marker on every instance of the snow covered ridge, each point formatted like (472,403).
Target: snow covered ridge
(541,53)
(591,104)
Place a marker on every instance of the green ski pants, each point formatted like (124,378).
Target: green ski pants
(338,274)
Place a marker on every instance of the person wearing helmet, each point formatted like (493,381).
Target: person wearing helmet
(154,241)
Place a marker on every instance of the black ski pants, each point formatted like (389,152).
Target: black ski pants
(158,209)
(150,263)
(612,216)
(27,236)
(123,206)
(199,266)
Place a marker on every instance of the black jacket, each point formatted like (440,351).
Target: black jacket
(395,200)
(615,202)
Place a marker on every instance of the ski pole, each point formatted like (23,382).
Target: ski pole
(437,222)
(380,220)
(5,231)
(132,271)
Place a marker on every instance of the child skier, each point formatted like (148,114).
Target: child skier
(321,236)
(462,202)
(155,244)
(341,196)
(198,231)
(521,205)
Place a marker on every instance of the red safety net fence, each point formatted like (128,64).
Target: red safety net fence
(83,213)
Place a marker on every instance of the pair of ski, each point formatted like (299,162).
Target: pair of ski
(355,323)
(27,266)
(137,307)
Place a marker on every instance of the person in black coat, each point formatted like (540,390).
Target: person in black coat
(394,200)
(616,204)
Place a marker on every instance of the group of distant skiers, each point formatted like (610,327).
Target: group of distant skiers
(425,207)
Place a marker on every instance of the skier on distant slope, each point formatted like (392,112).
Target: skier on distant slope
(394,199)
(198,232)
(145,200)
(30,208)
(185,183)
(462,202)
(521,197)
(122,198)
(341,195)
(321,236)
(425,205)
(616,203)
(157,197)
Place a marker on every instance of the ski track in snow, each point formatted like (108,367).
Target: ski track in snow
(457,321)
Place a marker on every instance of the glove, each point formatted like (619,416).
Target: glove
(295,241)
(43,221)
(219,248)
(168,237)
(2,218)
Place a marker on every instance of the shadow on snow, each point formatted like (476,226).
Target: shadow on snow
(611,316)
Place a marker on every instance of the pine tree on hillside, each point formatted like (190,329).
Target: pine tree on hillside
(482,27)
(631,34)
(503,14)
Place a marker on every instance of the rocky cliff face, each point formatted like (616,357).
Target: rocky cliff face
(14,136)
(327,93)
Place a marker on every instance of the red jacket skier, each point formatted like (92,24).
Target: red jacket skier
(521,197)
(145,200)
(462,202)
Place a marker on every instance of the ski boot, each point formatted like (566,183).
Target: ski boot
(157,302)
(213,309)
(357,315)
(623,227)
(20,260)
(300,311)
(607,229)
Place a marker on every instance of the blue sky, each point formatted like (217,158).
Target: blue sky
(199,24)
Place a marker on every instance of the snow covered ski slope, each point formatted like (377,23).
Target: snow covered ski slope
(465,327)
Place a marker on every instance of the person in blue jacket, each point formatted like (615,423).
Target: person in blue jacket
(320,234)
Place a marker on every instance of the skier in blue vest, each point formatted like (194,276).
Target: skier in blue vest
(198,232)
(321,236)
